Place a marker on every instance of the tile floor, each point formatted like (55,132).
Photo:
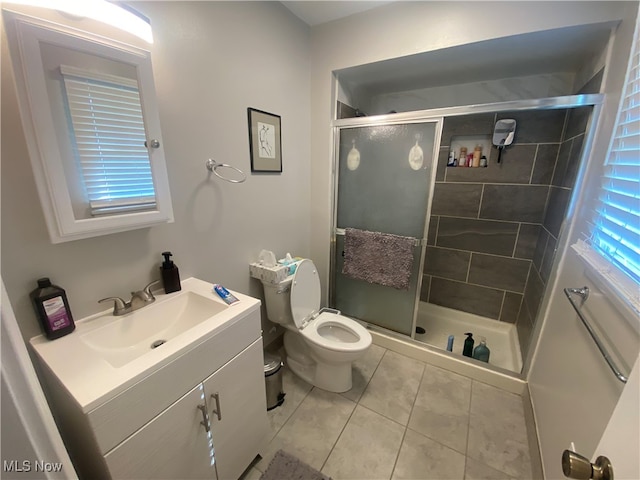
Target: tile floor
(403,419)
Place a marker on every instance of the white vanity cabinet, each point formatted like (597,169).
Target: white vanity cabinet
(237,416)
(195,407)
(175,444)
(172,445)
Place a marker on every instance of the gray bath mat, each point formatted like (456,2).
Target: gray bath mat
(285,466)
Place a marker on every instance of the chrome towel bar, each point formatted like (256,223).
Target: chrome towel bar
(583,293)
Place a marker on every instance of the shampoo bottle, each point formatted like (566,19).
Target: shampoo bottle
(481,352)
(450,343)
(477,153)
(52,309)
(170,274)
(467,350)
(462,159)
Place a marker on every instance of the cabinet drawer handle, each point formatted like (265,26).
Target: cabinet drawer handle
(216,410)
(205,418)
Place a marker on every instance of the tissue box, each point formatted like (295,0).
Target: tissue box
(269,274)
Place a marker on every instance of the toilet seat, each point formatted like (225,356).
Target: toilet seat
(312,332)
(305,293)
(305,304)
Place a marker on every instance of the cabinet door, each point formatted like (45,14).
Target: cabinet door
(242,424)
(172,445)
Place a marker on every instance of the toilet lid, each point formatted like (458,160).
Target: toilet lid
(305,292)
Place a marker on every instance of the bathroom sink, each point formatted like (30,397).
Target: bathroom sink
(127,337)
(106,355)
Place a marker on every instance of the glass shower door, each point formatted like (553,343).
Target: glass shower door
(384,184)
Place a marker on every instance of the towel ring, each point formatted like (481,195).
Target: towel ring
(213,166)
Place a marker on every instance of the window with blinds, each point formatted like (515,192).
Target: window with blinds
(108,136)
(615,223)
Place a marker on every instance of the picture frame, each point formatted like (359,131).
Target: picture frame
(265,141)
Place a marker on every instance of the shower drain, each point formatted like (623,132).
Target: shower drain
(157,343)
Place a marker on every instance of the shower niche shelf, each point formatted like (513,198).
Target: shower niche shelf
(469,142)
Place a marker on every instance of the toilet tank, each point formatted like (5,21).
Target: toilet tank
(277,298)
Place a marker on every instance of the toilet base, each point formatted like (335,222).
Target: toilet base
(332,378)
(335,378)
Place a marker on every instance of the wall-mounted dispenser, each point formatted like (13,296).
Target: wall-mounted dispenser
(353,159)
(416,155)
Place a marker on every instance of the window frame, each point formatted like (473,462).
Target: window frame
(603,271)
(99,106)
(26,34)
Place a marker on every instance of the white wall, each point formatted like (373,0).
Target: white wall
(406,28)
(488,91)
(573,392)
(211,61)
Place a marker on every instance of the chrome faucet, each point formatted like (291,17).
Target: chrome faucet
(138,300)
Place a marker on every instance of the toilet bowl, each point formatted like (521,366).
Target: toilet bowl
(320,345)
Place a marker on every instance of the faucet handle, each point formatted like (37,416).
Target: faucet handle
(119,304)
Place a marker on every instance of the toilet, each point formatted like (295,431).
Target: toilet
(320,345)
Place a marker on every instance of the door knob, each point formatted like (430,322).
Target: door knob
(576,466)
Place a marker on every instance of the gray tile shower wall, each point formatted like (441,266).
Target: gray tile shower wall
(560,190)
(493,231)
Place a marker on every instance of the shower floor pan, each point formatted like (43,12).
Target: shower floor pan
(440,322)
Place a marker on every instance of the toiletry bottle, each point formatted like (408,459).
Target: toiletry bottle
(450,343)
(467,350)
(462,159)
(170,274)
(483,161)
(481,352)
(477,153)
(451,161)
(52,309)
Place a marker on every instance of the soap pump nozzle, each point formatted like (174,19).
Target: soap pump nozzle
(168,263)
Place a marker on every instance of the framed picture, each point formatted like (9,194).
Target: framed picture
(265,141)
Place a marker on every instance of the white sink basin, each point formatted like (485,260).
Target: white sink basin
(127,337)
(106,355)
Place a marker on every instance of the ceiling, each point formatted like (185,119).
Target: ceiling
(316,13)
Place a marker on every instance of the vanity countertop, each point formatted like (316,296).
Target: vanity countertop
(90,374)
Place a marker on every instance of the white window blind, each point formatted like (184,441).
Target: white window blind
(615,231)
(109,139)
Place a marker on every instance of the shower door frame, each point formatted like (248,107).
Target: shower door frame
(439,115)
(383,120)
